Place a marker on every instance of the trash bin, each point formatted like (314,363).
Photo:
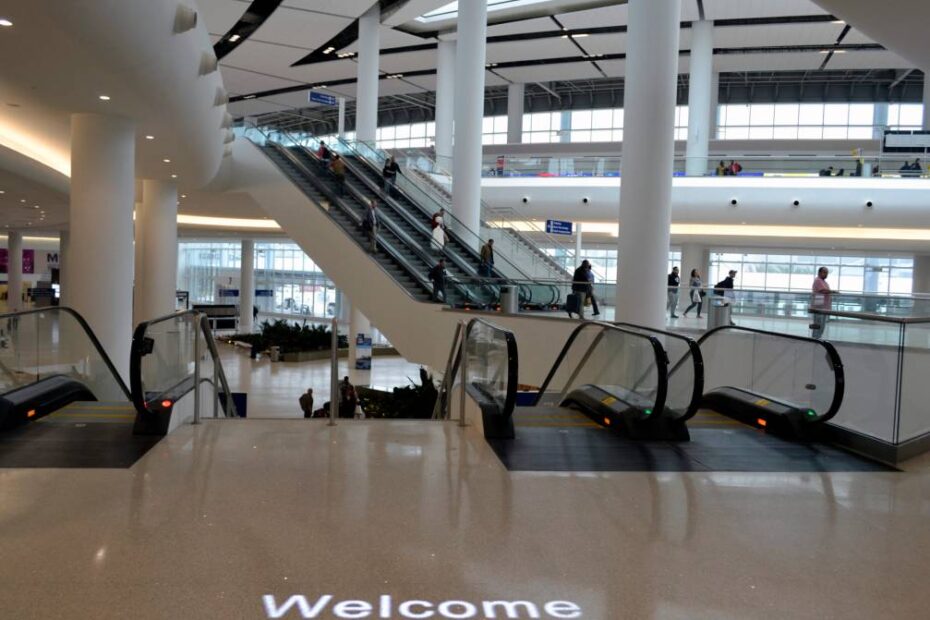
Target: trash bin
(718,314)
(510,300)
(275,354)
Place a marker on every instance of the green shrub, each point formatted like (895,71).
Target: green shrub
(290,338)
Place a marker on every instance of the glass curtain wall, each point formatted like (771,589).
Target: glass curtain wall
(604,260)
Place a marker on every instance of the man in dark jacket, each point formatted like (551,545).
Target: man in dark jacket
(370,225)
(673,281)
(437,276)
(583,285)
(486,266)
(306,403)
(389,172)
(724,288)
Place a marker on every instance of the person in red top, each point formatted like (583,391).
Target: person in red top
(821,299)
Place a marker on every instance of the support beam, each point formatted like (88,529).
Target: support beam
(247,286)
(700,95)
(927,100)
(515,96)
(100,255)
(445,103)
(64,243)
(469,112)
(369,48)
(649,118)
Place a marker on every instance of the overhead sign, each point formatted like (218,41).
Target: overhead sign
(324,98)
(906,141)
(558,227)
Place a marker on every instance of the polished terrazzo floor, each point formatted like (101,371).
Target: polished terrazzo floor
(217,516)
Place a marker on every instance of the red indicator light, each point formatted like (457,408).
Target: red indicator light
(762,423)
(31,413)
(607,421)
(166,404)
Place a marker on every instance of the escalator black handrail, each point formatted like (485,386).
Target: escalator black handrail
(327,191)
(87,331)
(836,363)
(510,401)
(409,243)
(658,350)
(201,322)
(694,349)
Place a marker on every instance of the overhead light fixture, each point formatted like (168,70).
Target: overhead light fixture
(35,206)
(329,50)
(104,97)
(825,51)
(149,137)
(580,36)
(234,38)
(22,200)
(174,176)
(839,51)
(838,21)
(2,191)
(249,97)
(5,22)
(183,195)
(166,160)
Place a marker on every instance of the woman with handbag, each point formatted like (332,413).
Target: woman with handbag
(696,292)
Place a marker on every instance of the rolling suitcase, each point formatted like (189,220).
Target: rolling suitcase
(573,304)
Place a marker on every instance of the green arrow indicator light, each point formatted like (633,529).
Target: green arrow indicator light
(648,412)
(811,413)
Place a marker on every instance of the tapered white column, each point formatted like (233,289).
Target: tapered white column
(159,233)
(578,243)
(700,94)
(714,104)
(515,95)
(14,271)
(649,118)
(469,111)
(369,48)
(927,100)
(359,325)
(100,255)
(341,118)
(445,103)
(64,241)
(247,286)
(921,277)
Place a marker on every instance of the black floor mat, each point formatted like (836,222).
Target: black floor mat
(576,446)
(71,441)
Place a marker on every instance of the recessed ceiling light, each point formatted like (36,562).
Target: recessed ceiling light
(839,51)
(2,191)
(22,200)
(35,206)
(5,22)
(234,38)
(166,160)
(174,176)
(183,195)
(149,137)
(104,97)
(838,21)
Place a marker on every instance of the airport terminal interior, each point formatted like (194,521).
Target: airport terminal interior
(491,309)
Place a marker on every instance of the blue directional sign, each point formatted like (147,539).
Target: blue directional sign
(558,227)
(324,98)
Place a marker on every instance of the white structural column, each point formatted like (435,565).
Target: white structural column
(246,286)
(714,104)
(445,103)
(369,47)
(159,232)
(64,241)
(515,95)
(921,278)
(469,111)
(341,119)
(100,253)
(649,118)
(927,99)
(137,282)
(359,325)
(14,271)
(700,96)
(693,256)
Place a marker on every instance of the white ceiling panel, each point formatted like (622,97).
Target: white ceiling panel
(604,43)
(220,15)
(768,62)
(594,18)
(238,82)
(344,8)
(393,38)
(540,24)
(613,68)
(410,61)
(547,73)
(855,36)
(870,60)
(537,48)
(741,9)
(299,28)
(770,36)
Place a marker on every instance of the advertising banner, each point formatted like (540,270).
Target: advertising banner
(362,352)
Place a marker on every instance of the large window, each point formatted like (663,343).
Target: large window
(905,116)
(603,260)
(796,272)
(796,121)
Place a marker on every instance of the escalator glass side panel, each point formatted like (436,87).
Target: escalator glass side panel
(491,375)
(771,375)
(624,365)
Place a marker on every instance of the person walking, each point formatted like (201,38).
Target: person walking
(674,280)
(486,261)
(439,231)
(306,403)
(370,225)
(338,168)
(821,299)
(583,286)
(591,298)
(348,399)
(389,173)
(437,276)
(696,293)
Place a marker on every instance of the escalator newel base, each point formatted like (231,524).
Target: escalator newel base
(622,412)
(766,414)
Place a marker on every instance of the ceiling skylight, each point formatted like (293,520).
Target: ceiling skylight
(451,10)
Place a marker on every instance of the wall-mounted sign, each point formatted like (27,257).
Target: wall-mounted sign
(324,98)
(558,227)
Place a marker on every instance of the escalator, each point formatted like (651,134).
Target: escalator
(63,404)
